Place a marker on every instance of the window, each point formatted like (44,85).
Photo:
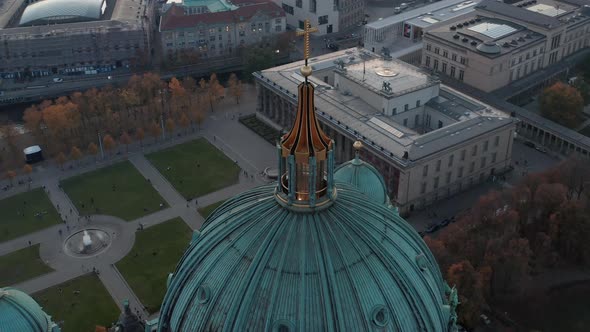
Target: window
(462,155)
(452,71)
(461,75)
(438,165)
(494,157)
(278,28)
(427,62)
(406,107)
(405,122)
(425,170)
(444,67)
(445,54)
(211,38)
(539,63)
(454,57)
(528,55)
(323,19)
(278,21)
(472,167)
(299,3)
(483,162)
(417,103)
(436,50)
(534,52)
(485,146)
(394,111)
(497,141)
(463,61)
(428,47)
(423,188)
(312,6)
(448,178)
(451,157)
(474,150)
(288,9)
(435,64)
(460,172)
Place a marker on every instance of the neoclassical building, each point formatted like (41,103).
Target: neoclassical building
(426,139)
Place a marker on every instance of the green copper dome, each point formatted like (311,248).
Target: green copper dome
(350,266)
(364,177)
(19,312)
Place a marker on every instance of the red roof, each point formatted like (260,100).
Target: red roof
(175,18)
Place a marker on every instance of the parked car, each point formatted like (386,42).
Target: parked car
(529,144)
(57,80)
(333,47)
(445,222)
(432,228)
(541,149)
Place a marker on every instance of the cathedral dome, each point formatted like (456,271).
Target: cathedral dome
(19,312)
(352,265)
(364,177)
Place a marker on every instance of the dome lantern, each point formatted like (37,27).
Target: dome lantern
(306,156)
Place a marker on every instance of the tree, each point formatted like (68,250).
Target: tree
(155,130)
(93,149)
(468,281)
(170,125)
(75,153)
(184,121)
(10,174)
(235,87)
(563,104)
(584,89)
(125,139)
(108,142)
(257,59)
(140,135)
(214,90)
(61,159)
(198,116)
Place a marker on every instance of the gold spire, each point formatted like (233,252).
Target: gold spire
(307,30)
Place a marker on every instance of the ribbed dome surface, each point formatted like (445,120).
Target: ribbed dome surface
(364,177)
(56,11)
(19,312)
(351,266)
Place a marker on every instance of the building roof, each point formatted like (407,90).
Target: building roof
(518,13)
(55,11)
(410,14)
(489,37)
(364,177)
(212,5)
(430,18)
(19,312)
(175,17)
(353,265)
(358,120)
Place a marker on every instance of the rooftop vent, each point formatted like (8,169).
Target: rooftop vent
(506,44)
(466,23)
(456,36)
(513,42)
(528,36)
(459,25)
(464,40)
(478,19)
(521,39)
(472,21)
(473,42)
(453,27)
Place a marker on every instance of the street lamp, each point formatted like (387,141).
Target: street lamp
(100,144)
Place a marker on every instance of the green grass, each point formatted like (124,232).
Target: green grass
(258,126)
(21,265)
(17,214)
(93,192)
(196,168)
(207,210)
(79,312)
(156,252)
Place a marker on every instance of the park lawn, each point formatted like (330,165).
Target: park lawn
(196,168)
(133,196)
(207,210)
(156,252)
(21,265)
(79,312)
(17,214)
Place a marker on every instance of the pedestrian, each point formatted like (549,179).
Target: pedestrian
(29,243)
(214,138)
(70,210)
(57,207)
(196,202)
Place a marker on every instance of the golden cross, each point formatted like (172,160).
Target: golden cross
(305,33)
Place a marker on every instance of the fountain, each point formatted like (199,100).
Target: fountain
(87,243)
